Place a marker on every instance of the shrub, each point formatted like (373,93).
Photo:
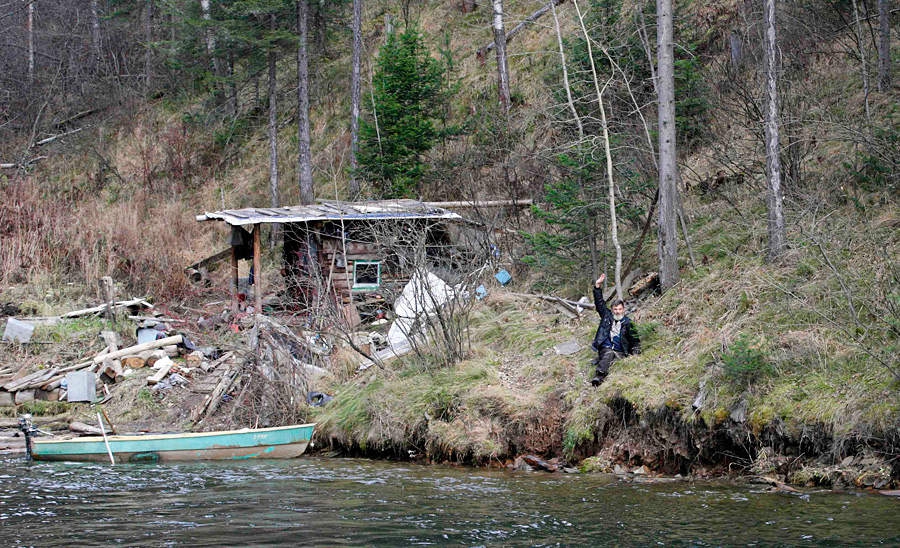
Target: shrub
(745,362)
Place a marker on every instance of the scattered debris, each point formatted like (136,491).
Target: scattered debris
(503,277)
(318,399)
(539,463)
(18,331)
(572,309)
(567,348)
(82,428)
(163,365)
(161,343)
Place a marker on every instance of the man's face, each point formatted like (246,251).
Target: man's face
(618,310)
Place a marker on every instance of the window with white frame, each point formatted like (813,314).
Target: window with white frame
(366,275)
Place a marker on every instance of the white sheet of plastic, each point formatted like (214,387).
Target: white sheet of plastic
(422,295)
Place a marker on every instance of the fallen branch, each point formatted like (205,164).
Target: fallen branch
(78,116)
(481,53)
(23,165)
(553,299)
(99,309)
(55,137)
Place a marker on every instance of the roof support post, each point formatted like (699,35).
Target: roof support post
(234,279)
(257,269)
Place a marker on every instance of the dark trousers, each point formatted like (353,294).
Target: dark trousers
(604,359)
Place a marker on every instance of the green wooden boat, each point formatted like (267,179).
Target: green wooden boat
(283,442)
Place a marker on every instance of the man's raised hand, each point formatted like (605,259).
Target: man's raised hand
(599,281)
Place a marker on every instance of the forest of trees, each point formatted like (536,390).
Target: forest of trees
(634,90)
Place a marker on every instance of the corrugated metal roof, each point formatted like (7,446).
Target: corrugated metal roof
(331,211)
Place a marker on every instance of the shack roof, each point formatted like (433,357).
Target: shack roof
(331,211)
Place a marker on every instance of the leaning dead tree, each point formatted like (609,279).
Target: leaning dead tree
(521,26)
(614,229)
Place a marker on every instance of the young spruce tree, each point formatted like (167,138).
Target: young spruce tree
(399,128)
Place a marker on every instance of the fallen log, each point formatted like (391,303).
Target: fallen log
(112,369)
(134,362)
(647,282)
(136,349)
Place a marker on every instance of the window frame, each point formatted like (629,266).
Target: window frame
(366,286)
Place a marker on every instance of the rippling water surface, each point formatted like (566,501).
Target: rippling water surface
(332,502)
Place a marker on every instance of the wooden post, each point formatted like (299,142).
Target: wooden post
(234,279)
(257,270)
(107,295)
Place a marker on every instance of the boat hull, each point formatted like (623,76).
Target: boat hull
(283,442)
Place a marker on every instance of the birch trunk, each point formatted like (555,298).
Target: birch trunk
(500,46)
(614,229)
(354,97)
(565,71)
(864,65)
(884,46)
(29,36)
(95,29)
(776,230)
(304,167)
(668,167)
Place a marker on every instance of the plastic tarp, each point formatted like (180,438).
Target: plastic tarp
(422,295)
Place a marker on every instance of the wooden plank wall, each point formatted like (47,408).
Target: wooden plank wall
(342,277)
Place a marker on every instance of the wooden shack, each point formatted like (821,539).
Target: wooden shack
(356,254)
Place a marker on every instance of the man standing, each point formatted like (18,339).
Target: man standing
(616,336)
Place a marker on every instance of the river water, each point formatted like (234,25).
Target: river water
(334,502)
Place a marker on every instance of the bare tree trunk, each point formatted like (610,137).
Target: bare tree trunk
(148,39)
(95,29)
(354,97)
(304,166)
(884,46)
(500,46)
(864,65)
(565,71)
(776,230)
(232,88)
(614,228)
(209,36)
(29,36)
(273,125)
(668,166)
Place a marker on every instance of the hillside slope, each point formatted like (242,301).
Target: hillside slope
(788,367)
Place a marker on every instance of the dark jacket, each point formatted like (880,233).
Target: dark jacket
(631,343)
